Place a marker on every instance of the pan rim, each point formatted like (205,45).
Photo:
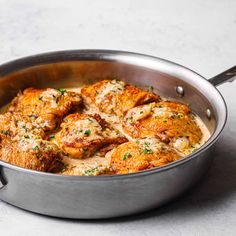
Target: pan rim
(72,55)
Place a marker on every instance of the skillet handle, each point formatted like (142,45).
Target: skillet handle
(226,76)
(2,181)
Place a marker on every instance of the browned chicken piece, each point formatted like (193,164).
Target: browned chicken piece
(82,135)
(36,154)
(21,144)
(140,155)
(45,107)
(115,97)
(38,131)
(15,124)
(170,121)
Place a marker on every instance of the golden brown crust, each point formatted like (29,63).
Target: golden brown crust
(22,144)
(44,156)
(34,135)
(45,107)
(136,156)
(82,135)
(165,120)
(115,97)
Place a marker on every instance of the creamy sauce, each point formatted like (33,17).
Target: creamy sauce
(93,165)
(108,88)
(206,133)
(81,165)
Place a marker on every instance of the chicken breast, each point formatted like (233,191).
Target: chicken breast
(82,135)
(140,155)
(45,107)
(21,144)
(115,96)
(170,121)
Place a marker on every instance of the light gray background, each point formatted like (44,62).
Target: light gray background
(198,34)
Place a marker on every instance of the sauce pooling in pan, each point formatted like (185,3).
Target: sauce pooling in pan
(109,127)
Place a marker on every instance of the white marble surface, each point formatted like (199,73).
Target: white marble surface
(200,34)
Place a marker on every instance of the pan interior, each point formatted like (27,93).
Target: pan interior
(83,67)
(82,72)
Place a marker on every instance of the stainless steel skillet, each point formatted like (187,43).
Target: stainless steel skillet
(110,196)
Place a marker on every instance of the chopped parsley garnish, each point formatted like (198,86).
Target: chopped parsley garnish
(90,120)
(6,132)
(62,91)
(35,148)
(141,112)
(26,136)
(126,156)
(41,98)
(150,88)
(91,171)
(51,137)
(147,149)
(130,119)
(87,132)
(146,144)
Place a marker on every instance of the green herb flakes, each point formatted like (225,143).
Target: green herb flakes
(91,171)
(6,132)
(87,132)
(130,119)
(126,156)
(90,120)
(147,151)
(150,88)
(62,91)
(35,148)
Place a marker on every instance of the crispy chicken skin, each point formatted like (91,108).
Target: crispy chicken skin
(140,155)
(172,122)
(21,144)
(37,155)
(45,107)
(106,128)
(82,135)
(14,125)
(115,96)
